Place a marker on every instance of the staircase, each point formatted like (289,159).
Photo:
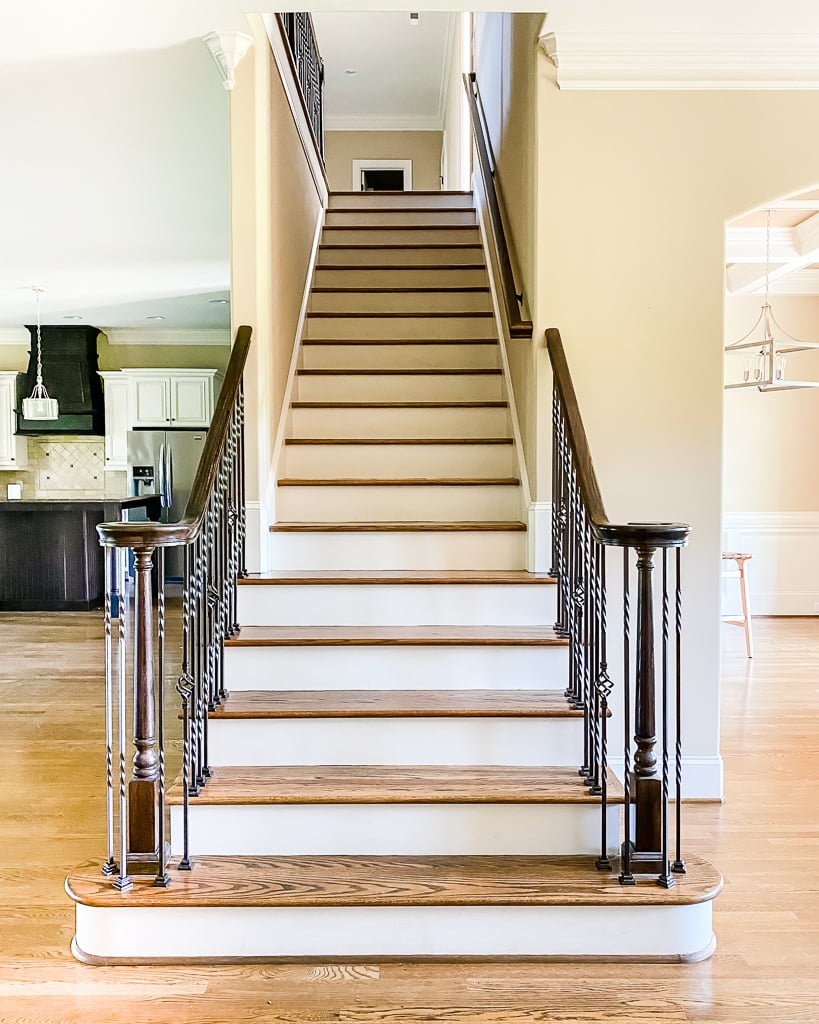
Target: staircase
(395,769)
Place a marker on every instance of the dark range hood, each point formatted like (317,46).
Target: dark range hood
(70,375)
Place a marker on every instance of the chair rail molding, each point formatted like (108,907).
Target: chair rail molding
(227,50)
(684,61)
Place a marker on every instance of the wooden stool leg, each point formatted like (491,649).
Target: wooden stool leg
(746,611)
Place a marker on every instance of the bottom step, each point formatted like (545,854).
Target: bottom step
(251,908)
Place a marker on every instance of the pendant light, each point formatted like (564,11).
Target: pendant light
(39,406)
(765,369)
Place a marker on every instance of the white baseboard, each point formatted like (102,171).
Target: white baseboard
(702,777)
(540,536)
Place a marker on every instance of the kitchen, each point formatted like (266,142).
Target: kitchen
(133,407)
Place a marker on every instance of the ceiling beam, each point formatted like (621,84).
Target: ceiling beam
(749,278)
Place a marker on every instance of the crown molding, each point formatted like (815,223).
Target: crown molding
(171,336)
(684,61)
(385,123)
(14,336)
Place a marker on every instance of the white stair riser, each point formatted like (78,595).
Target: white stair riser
(396,668)
(357,328)
(397,236)
(332,461)
(348,255)
(402,277)
(396,604)
(384,356)
(400,422)
(400,218)
(392,503)
(392,829)
(429,549)
(400,200)
(420,387)
(396,741)
(159,933)
(399,302)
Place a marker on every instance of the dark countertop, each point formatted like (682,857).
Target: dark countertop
(67,504)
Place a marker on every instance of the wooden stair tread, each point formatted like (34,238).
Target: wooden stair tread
(399,440)
(423,314)
(396,636)
(403,266)
(404,192)
(404,209)
(433,372)
(502,577)
(476,526)
(398,405)
(246,704)
(394,289)
(402,245)
(400,341)
(396,881)
(398,227)
(390,784)
(504,481)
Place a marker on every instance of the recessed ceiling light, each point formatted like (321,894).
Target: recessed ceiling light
(220,302)
(156,316)
(350,71)
(72,316)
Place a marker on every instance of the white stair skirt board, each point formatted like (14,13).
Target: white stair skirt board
(397,605)
(379,461)
(396,741)
(386,503)
(168,933)
(402,277)
(397,668)
(399,236)
(400,218)
(384,829)
(400,422)
(429,549)
(401,328)
(400,200)
(354,255)
(399,302)
(399,387)
(383,355)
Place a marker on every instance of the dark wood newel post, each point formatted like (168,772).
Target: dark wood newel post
(647,787)
(143,789)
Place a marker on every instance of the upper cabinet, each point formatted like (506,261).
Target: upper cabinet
(171,398)
(12,448)
(117,422)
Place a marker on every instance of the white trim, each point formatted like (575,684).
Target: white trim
(290,86)
(446,67)
(773,523)
(702,777)
(14,336)
(383,123)
(257,537)
(227,50)
(278,444)
(170,336)
(382,165)
(540,536)
(687,61)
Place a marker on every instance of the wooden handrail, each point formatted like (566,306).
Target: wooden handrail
(664,535)
(159,535)
(512,296)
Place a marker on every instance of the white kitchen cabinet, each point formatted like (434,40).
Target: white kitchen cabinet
(171,398)
(117,420)
(12,448)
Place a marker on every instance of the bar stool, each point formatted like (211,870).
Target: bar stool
(739,573)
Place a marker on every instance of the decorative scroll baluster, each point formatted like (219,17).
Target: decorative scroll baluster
(122,881)
(162,878)
(679,864)
(184,688)
(604,687)
(596,667)
(110,865)
(309,68)
(665,878)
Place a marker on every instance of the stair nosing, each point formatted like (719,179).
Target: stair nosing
(399,405)
(510,481)
(383,577)
(396,636)
(465,526)
(398,440)
(402,372)
(398,289)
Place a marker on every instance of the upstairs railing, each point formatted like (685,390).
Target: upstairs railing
(308,67)
(212,533)
(519,326)
(581,538)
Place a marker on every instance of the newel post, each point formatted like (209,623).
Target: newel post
(647,786)
(143,789)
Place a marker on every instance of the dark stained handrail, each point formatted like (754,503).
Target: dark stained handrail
(187,530)
(512,296)
(664,535)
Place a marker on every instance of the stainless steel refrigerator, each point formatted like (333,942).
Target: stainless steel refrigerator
(164,462)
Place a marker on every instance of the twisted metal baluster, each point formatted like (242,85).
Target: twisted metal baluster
(242,490)
(162,877)
(597,668)
(184,687)
(665,878)
(555,471)
(604,687)
(110,865)
(679,864)
(626,877)
(201,669)
(122,881)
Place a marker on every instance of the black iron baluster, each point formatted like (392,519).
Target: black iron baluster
(242,490)
(555,470)
(184,687)
(162,878)
(665,878)
(110,865)
(200,675)
(122,881)
(626,877)
(595,665)
(679,864)
(604,688)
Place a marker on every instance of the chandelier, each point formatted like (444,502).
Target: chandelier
(39,406)
(768,353)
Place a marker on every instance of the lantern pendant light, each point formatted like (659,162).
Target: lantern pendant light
(39,406)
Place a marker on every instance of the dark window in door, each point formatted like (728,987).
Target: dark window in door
(382,181)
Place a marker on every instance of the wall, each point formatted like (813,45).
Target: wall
(423,148)
(457,137)
(771,488)
(119,357)
(275,207)
(635,189)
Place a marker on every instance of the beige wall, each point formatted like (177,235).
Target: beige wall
(118,357)
(457,133)
(770,439)
(423,148)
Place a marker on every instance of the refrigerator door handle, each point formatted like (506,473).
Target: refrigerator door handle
(162,477)
(169,475)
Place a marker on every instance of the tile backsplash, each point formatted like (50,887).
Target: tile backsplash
(65,467)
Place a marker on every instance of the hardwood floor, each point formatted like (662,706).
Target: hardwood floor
(765,839)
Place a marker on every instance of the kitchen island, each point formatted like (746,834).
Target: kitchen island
(50,555)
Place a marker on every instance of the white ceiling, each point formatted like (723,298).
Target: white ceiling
(400,67)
